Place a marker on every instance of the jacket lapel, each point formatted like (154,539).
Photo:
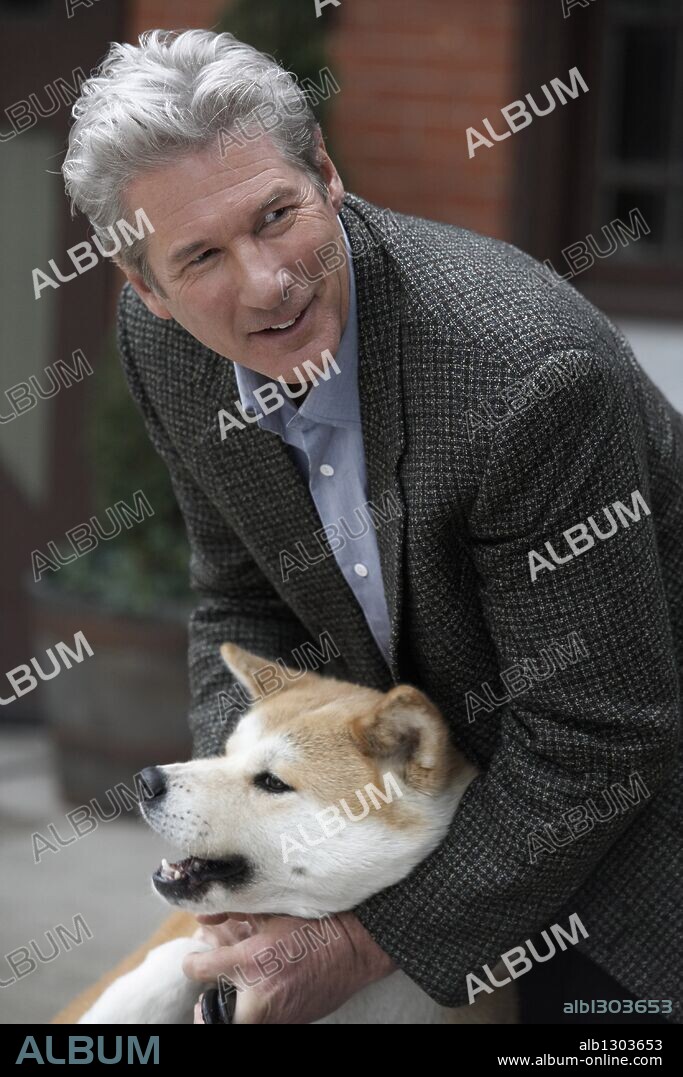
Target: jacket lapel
(259,488)
(381,402)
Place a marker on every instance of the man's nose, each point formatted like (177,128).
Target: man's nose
(260,283)
(154,783)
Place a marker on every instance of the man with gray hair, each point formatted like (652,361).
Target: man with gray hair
(490,413)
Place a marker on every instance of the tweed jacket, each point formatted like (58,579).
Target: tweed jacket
(500,409)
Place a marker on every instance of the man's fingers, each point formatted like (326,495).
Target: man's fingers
(252,1008)
(227,933)
(255,918)
(209,964)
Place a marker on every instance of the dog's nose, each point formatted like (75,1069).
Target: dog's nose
(154,780)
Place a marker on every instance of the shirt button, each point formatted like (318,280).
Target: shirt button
(250,411)
(360,570)
(326,469)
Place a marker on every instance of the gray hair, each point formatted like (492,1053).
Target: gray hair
(145,106)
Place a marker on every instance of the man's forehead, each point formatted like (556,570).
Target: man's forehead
(187,191)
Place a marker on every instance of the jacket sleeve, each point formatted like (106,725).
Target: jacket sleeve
(236,601)
(609,711)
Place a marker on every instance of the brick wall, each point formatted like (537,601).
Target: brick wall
(414,77)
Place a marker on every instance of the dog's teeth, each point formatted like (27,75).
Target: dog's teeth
(169,872)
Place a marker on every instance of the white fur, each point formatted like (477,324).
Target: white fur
(154,993)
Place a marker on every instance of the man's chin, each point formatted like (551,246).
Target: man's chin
(294,367)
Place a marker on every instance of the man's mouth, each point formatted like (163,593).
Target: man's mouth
(289,328)
(189,878)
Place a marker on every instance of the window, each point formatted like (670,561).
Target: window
(618,153)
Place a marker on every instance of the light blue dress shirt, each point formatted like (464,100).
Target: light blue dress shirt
(325,438)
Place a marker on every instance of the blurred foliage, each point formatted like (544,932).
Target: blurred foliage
(143,570)
(289,32)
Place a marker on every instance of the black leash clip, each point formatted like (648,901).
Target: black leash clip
(218,1007)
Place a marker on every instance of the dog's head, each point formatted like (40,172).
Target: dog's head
(326,793)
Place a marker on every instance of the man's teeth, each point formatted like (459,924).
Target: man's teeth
(286,325)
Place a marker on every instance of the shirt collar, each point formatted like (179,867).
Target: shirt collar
(332,401)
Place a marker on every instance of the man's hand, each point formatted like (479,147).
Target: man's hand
(287,970)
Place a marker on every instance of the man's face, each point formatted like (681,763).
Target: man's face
(229,287)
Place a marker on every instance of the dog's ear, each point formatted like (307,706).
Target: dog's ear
(406,728)
(256,673)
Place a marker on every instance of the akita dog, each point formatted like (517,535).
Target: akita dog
(279,824)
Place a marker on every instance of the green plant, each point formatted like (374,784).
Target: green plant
(144,568)
(291,34)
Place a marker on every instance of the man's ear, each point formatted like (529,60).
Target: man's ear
(405,728)
(245,666)
(148,297)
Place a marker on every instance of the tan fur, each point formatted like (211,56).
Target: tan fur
(348,736)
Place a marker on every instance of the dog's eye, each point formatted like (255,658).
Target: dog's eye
(271,783)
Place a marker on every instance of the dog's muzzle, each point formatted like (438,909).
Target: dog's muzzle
(189,879)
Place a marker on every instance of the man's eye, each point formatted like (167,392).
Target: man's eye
(199,260)
(283,210)
(270,783)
